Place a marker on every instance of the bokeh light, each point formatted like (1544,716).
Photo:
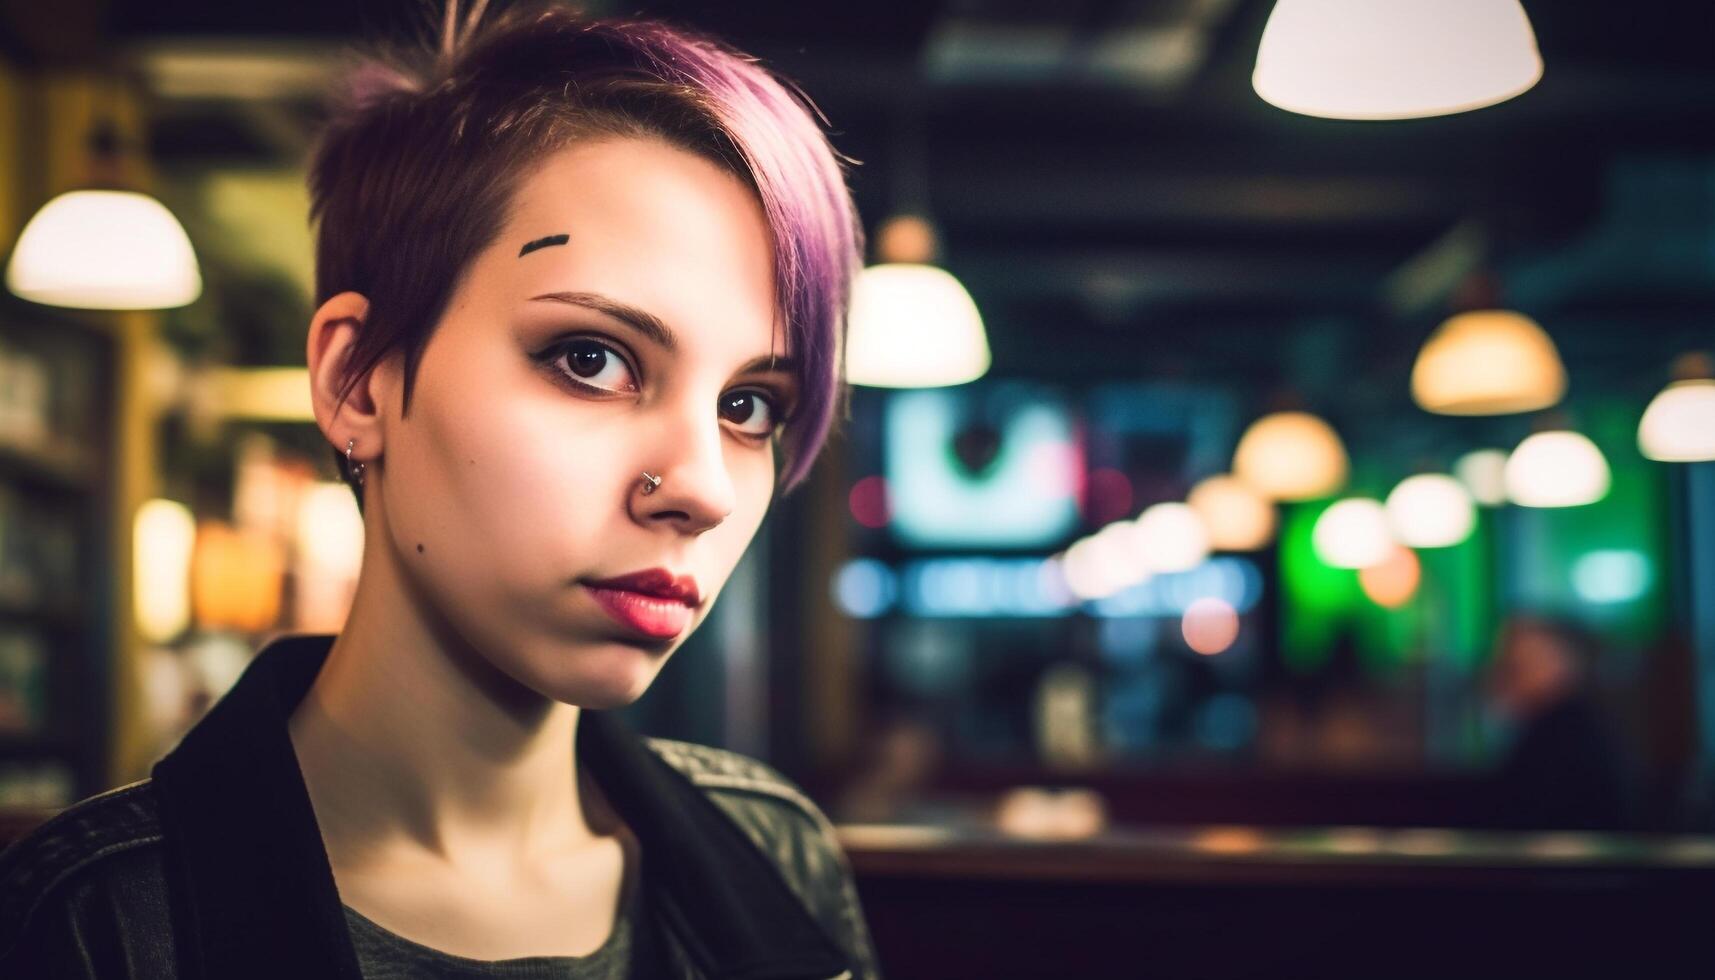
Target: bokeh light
(868,502)
(864,588)
(1488,362)
(165,535)
(1611,576)
(1391,583)
(1237,517)
(1353,533)
(1291,456)
(1173,538)
(1431,510)
(1210,626)
(1679,425)
(1110,495)
(1484,474)
(1557,469)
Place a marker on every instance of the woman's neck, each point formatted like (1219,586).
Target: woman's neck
(414,747)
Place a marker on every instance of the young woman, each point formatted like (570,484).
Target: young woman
(580,289)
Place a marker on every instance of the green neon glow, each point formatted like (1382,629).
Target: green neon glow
(1457,596)
(1450,616)
(1556,550)
(1533,554)
(1317,600)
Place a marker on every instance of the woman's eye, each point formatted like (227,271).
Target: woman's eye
(593,363)
(752,410)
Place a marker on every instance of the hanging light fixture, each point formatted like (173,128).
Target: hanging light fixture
(104,246)
(912,324)
(1353,533)
(1291,456)
(1394,59)
(1556,468)
(1238,518)
(1484,473)
(1679,425)
(1430,510)
(1488,362)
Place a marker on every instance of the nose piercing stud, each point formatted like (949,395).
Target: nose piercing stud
(650,483)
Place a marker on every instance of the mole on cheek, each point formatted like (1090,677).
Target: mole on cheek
(419,549)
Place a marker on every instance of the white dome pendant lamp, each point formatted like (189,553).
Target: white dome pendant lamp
(1394,59)
(1557,466)
(1431,510)
(104,246)
(1353,533)
(1679,425)
(912,324)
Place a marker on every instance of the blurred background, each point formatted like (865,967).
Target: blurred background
(1312,490)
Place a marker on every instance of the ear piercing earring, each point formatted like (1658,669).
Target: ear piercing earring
(356,469)
(650,483)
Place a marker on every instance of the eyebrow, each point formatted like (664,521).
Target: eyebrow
(543,243)
(651,326)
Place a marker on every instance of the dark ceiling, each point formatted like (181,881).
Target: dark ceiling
(1121,203)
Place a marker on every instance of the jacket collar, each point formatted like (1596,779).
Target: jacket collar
(254,895)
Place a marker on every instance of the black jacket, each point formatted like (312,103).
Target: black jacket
(214,868)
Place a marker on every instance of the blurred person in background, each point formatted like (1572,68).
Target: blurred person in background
(581,292)
(1562,767)
(894,773)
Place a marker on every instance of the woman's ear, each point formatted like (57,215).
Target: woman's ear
(334,330)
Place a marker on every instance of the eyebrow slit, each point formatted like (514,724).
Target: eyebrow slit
(543,243)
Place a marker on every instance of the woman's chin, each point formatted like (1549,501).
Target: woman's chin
(612,677)
(606,699)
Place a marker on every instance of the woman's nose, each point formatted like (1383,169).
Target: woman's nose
(696,490)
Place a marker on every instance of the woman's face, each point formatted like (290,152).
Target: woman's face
(517,477)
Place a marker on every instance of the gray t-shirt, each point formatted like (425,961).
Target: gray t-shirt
(386,955)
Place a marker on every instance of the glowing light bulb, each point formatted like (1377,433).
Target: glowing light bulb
(1291,456)
(1237,517)
(1353,533)
(1557,469)
(1488,362)
(1431,510)
(1679,425)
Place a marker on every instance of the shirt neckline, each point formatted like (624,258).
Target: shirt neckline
(623,922)
(631,885)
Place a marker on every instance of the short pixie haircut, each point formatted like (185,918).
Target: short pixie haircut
(425,146)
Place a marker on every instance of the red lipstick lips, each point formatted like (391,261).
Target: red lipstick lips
(657,582)
(654,601)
